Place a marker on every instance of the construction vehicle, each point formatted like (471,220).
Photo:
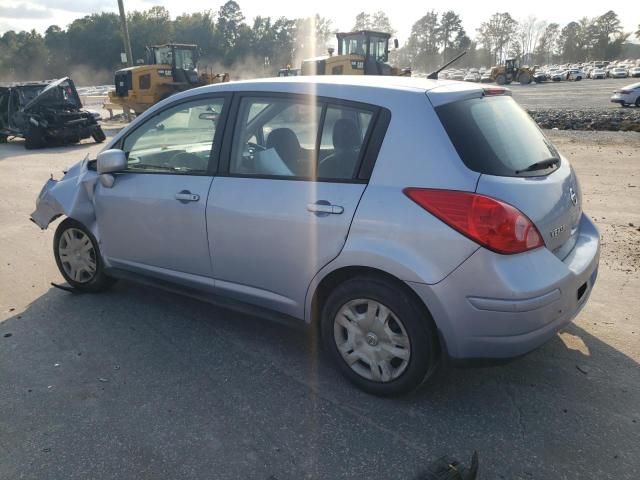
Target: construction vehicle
(169,69)
(511,71)
(288,72)
(363,52)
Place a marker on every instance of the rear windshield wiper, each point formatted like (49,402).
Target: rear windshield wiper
(541,165)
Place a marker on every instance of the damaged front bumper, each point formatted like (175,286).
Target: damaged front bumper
(71,196)
(47,207)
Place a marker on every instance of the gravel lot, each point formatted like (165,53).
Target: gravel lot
(585,94)
(137,383)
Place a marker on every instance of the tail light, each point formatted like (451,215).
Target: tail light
(492,91)
(493,224)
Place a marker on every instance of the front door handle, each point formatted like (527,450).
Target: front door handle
(323,208)
(186,196)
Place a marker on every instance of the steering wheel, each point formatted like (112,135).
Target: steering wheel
(187,161)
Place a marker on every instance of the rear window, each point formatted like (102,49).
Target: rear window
(494,136)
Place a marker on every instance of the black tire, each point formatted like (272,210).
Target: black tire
(415,321)
(34,138)
(95,281)
(501,79)
(4,139)
(98,135)
(638,102)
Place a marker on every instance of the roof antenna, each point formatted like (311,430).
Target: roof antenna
(434,75)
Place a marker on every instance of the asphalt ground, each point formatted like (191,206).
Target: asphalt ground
(136,383)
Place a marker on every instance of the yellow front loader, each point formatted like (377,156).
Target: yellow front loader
(359,53)
(169,69)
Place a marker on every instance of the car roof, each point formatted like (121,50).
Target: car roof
(333,83)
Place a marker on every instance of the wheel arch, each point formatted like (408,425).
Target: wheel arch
(322,287)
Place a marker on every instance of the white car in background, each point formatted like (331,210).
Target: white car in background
(634,72)
(576,74)
(629,95)
(598,73)
(618,72)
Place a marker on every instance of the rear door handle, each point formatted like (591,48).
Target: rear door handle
(323,207)
(186,196)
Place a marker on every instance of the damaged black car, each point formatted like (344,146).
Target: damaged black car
(45,113)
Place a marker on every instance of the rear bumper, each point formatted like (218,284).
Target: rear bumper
(502,306)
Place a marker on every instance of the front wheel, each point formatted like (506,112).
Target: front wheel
(379,336)
(98,135)
(78,257)
(501,79)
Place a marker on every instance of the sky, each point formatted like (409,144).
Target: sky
(39,14)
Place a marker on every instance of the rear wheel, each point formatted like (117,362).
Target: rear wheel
(638,102)
(98,135)
(3,139)
(34,138)
(379,336)
(524,78)
(78,257)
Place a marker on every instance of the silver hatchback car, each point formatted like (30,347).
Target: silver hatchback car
(409,220)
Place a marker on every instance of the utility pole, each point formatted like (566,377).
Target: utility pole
(125,34)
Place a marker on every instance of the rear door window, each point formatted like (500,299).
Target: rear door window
(494,136)
(299,138)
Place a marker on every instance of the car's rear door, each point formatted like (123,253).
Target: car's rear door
(152,219)
(282,205)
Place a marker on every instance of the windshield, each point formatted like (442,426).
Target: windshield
(494,136)
(354,45)
(378,48)
(164,55)
(185,59)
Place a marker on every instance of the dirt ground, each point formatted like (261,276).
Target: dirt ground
(136,383)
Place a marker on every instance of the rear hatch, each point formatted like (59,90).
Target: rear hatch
(518,164)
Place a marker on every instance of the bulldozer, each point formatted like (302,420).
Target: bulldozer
(169,68)
(364,52)
(511,71)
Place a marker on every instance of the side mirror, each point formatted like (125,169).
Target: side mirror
(213,116)
(396,43)
(111,161)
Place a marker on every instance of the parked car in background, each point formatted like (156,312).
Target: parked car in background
(472,77)
(46,112)
(629,95)
(575,75)
(486,77)
(457,75)
(618,72)
(634,72)
(559,75)
(540,76)
(598,74)
(316,199)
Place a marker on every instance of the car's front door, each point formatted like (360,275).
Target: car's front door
(152,219)
(282,207)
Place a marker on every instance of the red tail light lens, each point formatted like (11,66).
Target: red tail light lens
(491,91)
(491,223)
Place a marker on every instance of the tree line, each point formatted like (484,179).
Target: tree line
(90,47)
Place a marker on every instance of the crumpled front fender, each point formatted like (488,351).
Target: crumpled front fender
(71,196)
